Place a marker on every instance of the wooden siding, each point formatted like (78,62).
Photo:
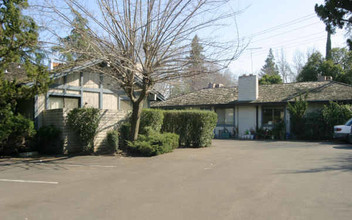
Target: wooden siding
(91,99)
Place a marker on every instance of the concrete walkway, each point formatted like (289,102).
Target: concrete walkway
(230,180)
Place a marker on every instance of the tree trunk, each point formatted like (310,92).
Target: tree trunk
(136,119)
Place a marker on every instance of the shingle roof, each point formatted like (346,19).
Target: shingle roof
(276,93)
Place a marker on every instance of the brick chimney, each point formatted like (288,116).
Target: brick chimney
(248,88)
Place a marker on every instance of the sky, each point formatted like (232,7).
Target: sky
(283,25)
(288,26)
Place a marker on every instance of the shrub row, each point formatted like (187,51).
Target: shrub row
(318,125)
(195,127)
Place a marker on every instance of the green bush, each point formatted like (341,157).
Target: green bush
(124,130)
(15,130)
(85,122)
(152,118)
(154,143)
(335,114)
(318,125)
(113,140)
(279,130)
(315,127)
(49,140)
(297,112)
(195,127)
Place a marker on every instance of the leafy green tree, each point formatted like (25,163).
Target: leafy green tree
(336,13)
(20,61)
(270,79)
(72,46)
(339,67)
(311,69)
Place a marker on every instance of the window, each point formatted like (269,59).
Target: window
(225,116)
(63,102)
(272,115)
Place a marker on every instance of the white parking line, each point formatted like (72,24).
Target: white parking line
(81,165)
(28,181)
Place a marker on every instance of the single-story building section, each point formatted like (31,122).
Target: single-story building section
(76,87)
(250,106)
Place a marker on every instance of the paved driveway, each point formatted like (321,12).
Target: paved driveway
(230,180)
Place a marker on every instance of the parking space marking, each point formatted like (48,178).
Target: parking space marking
(28,181)
(82,165)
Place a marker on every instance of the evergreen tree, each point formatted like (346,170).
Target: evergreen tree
(336,13)
(195,65)
(270,71)
(270,68)
(20,61)
(74,46)
(270,79)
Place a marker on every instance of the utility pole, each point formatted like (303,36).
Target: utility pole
(251,49)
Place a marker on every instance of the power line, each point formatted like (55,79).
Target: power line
(295,29)
(283,25)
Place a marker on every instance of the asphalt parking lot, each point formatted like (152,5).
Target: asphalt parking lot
(230,180)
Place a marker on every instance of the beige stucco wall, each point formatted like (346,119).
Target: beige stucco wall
(246,118)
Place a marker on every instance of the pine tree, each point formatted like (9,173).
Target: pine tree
(336,14)
(270,68)
(270,72)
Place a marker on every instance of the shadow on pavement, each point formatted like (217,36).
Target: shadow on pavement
(32,163)
(343,164)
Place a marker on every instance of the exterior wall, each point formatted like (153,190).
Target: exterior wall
(57,117)
(110,101)
(248,88)
(91,99)
(73,79)
(91,80)
(246,119)
(109,120)
(39,107)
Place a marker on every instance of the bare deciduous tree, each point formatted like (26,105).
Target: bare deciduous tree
(145,42)
(284,68)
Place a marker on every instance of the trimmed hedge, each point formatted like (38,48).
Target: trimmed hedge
(154,143)
(195,127)
(152,118)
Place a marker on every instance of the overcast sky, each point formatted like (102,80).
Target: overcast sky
(290,25)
